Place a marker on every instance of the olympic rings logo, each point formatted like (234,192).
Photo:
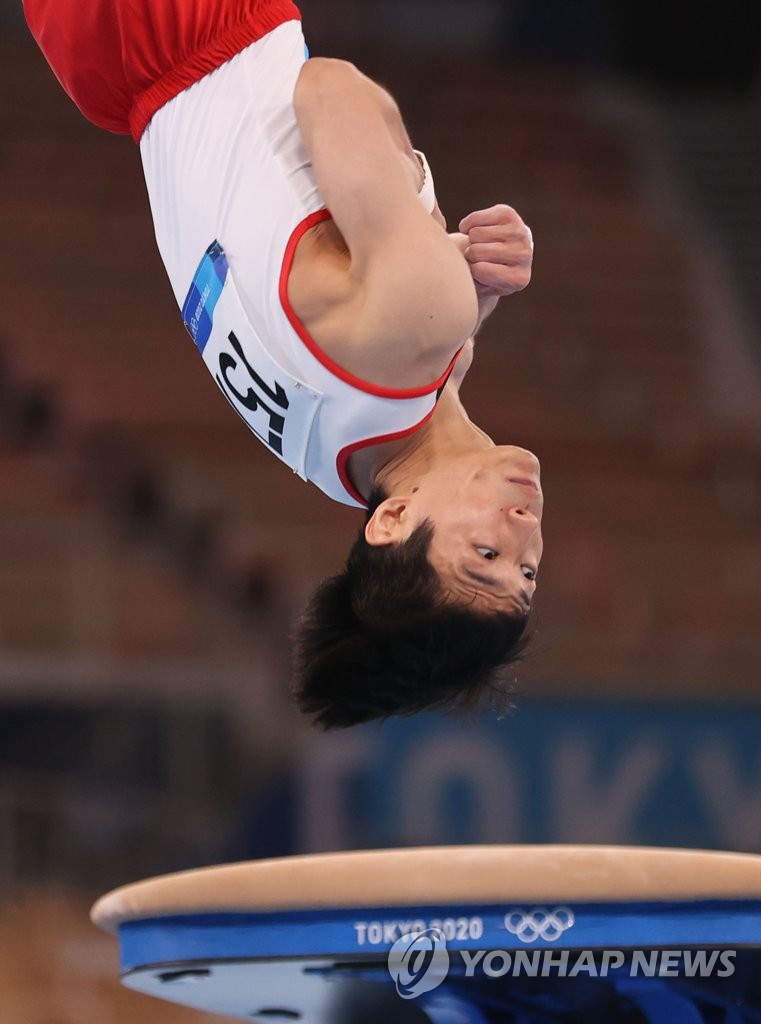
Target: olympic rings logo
(539,923)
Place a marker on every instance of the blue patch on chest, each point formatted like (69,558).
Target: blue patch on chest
(204,293)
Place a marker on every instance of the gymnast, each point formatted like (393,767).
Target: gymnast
(305,247)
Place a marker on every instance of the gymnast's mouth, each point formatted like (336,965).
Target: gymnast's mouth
(524,482)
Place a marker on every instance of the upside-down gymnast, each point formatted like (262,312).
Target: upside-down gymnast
(305,247)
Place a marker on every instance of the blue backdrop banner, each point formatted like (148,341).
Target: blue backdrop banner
(570,772)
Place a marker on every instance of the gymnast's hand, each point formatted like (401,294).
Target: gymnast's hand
(499,249)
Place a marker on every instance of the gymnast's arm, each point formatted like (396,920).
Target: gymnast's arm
(413,285)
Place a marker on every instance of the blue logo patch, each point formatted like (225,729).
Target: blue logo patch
(208,282)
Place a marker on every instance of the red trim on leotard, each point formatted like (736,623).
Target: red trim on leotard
(342,462)
(344,375)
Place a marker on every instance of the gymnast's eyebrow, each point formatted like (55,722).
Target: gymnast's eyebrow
(488,581)
(522,598)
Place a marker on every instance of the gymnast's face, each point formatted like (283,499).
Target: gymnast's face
(486,509)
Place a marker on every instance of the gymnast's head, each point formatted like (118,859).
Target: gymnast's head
(433,604)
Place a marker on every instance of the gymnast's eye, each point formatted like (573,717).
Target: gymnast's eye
(489,553)
(528,572)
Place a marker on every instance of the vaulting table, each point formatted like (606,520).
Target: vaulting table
(546,933)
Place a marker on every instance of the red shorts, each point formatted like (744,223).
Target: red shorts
(121,60)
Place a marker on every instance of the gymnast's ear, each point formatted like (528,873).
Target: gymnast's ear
(390,523)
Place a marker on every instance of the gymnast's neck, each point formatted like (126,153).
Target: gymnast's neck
(398,465)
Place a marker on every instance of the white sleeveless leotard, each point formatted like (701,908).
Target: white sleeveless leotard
(232,192)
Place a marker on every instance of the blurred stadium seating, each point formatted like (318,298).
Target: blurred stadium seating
(652,501)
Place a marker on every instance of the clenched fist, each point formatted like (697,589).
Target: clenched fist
(499,248)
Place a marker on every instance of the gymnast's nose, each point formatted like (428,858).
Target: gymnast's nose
(521,517)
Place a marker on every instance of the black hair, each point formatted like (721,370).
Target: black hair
(380,639)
